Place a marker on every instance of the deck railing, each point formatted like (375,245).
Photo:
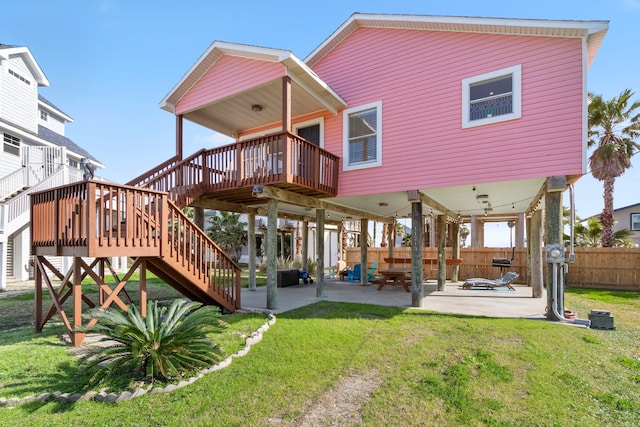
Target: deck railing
(272,159)
(97,219)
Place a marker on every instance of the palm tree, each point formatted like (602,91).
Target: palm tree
(613,127)
(590,235)
(229,232)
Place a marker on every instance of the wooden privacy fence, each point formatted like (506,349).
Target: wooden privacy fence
(603,268)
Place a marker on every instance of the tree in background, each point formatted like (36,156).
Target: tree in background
(590,234)
(229,232)
(613,127)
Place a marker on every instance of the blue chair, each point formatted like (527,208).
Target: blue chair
(355,273)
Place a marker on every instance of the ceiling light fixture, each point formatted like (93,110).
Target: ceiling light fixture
(256,108)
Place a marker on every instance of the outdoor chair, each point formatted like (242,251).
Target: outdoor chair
(372,269)
(505,280)
(343,271)
(355,273)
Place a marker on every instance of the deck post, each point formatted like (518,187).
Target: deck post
(320,253)
(364,267)
(143,288)
(455,250)
(251,242)
(417,235)
(535,245)
(442,260)
(77,337)
(38,294)
(305,245)
(179,136)
(272,254)
(553,235)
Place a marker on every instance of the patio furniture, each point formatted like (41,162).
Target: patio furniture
(505,280)
(397,276)
(355,273)
(372,269)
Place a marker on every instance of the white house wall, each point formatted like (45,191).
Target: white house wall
(53,122)
(19,100)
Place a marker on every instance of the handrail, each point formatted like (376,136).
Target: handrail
(13,183)
(19,205)
(280,157)
(141,179)
(207,264)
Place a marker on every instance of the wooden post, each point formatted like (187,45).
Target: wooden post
(520,231)
(553,235)
(442,259)
(251,238)
(320,253)
(143,288)
(38,294)
(286,104)
(198,217)
(391,239)
(272,254)
(364,268)
(179,136)
(77,337)
(455,250)
(535,245)
(305,245)
(417,235)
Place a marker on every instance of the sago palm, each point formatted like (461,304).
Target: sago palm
(165,344)
(614,125)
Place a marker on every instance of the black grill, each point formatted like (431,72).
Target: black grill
(503,263)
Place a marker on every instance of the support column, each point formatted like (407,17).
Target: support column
(198,217)
(364,268)
(553,235)
(271,250)
(320,253)
(474,231)
(417,235)
(142,291)
(286,104)
(251,242)
(3,265)
(179,133)
(535,250)
(77,337)
(305,245)
(520,231)
(442,259)
(455,251)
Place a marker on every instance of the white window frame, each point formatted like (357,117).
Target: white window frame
(11,143)
(346,166)
(516,75)
(307,123)
(635,222)
(44,116)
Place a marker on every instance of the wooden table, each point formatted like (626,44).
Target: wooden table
(398,276)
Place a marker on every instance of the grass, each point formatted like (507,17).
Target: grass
(433,369)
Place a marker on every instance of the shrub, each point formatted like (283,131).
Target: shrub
(167,344)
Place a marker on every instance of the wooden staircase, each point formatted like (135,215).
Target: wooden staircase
(101,220)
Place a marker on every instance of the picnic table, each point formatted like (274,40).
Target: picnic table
(397,276)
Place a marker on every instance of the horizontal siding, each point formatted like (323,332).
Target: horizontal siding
(53,123)
(228,76)
(418,76)
(19,102)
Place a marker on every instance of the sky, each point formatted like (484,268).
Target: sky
(110,63)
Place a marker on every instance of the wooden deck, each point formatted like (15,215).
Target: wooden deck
(99,220)
(229,173)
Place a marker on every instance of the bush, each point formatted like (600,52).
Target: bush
(167,344)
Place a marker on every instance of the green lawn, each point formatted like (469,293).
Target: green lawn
(380,366)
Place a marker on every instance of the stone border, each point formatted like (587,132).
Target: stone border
(103,396)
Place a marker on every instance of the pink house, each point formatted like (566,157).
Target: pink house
(467,119)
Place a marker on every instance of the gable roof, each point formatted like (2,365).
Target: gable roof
(592,31)
(295,68)
(42,100)
(7,50)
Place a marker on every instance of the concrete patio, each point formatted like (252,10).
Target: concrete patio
(500,302)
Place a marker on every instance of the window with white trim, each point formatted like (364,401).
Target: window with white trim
(362,133)
(44,115)
(73,163)
(635,221)
(492,97)
(11,144)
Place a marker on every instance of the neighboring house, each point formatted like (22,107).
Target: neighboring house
(35,154)
(627,217)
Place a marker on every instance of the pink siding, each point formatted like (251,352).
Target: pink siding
(228,76)
(418,76)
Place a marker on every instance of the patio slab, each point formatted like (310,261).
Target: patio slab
(499,302)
